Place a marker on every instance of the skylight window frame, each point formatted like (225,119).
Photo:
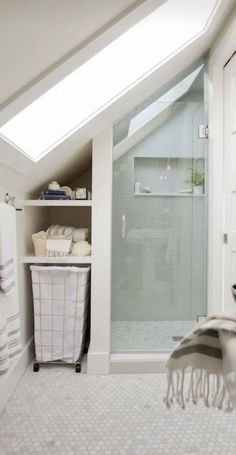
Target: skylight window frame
(108,103)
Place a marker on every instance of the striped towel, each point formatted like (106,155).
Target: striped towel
(209,352)
(10,341)
(10,335)
(7,237)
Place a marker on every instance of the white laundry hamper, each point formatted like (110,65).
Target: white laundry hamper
(61,304)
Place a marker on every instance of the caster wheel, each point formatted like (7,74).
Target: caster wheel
(36,367)
(78,368)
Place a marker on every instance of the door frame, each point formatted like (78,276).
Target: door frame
(220,53)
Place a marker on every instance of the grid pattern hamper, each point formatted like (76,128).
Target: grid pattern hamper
(61,296)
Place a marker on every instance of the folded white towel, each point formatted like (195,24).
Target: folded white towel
(7,239)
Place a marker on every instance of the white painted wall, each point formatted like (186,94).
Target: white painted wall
(84,180)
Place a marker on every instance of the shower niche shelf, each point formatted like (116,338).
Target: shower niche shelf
(164,176)
(169,195)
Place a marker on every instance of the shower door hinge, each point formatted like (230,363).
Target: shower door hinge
(203,131)
(226,238)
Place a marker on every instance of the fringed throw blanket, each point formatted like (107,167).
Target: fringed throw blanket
(208,353)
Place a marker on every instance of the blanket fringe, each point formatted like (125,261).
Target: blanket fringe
(200,385)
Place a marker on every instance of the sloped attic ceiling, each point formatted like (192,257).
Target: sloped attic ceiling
(36,36)
(68,152)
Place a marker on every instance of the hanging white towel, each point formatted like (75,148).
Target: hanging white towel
(10,336)
(7,234)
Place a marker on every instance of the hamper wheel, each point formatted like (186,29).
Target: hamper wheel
(36,367)
(78,368)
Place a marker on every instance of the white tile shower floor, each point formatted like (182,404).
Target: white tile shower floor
(148,336)
(57,411)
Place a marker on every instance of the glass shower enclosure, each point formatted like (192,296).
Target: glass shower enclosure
(159,235)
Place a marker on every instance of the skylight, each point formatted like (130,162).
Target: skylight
(163,102)
(63,109)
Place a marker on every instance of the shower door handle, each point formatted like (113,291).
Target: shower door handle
(123,226)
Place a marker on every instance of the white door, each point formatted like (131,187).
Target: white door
(229,183)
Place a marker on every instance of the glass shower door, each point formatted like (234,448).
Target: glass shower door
(158,228)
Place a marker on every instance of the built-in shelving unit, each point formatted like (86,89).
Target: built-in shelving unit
(60,260)
(39,214)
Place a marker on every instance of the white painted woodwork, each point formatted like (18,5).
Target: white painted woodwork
(52,203)
(99,350)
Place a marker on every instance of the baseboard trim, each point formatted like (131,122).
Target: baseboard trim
(98,363)
(9,381)
(138,363)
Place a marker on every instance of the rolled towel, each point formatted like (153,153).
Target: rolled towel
(56,230)
(68,232)
(76,234)
(80,234)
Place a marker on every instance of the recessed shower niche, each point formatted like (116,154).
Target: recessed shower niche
(161,176)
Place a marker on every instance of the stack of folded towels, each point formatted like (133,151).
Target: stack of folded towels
(62,240)
(54,194)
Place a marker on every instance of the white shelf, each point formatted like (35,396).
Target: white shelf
(53,203)
(60,260)
(168,194)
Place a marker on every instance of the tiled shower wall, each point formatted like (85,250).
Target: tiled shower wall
(159,269)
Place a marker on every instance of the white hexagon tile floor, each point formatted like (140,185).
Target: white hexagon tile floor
(57,411)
